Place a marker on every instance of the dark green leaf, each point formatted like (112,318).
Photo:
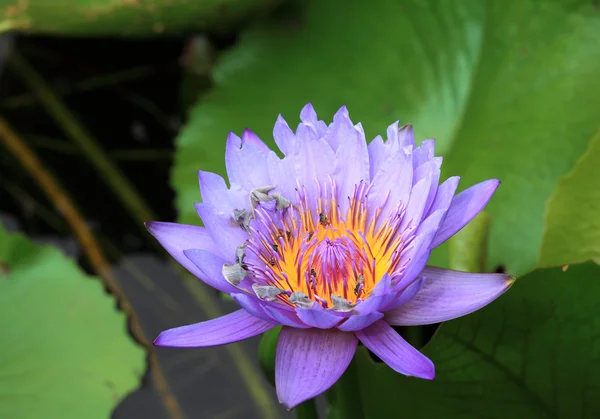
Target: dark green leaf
(509,89)
(533,353)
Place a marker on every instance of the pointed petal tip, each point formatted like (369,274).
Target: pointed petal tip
(158,340)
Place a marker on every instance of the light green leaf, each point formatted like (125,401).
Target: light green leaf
(125,17)
(533,353)
(572,232)
(65,349)
(508,89)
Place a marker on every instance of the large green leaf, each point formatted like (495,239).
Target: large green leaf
(65,349)
(125,17)
(572,232)
(509,89)
(534,353)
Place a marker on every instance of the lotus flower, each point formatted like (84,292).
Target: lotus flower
(331,241)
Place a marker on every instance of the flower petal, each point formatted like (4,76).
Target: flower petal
(249,137)
(360,321)
(392,349)
(447,294)
(214,191)
(464,207)
(246,164)
(392,183)
(285,317)
(424,152)
(218,225)
(405,296)
(309,361)
(284,136)
(321,319)
(251,304)
(176,238)
(229,328)
(210,266)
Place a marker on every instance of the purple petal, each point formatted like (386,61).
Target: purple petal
(423,153)
(246,164)
(232,327)
(377,155)
(210,266)
(447,294)
(353,149)
(318,318)
(313,160)
(445,194)
(308,114)
(392,183)
(417,254)
(218,224)
(405,296)
(429,169)
(405,135)
(251,304)
(339,128)
(284,136)
(176,238)
(392,349)
(283,175)
(416,204)
(214,191)
(249,137)
(285,317)
(464,207)
(309,361)
(360,321)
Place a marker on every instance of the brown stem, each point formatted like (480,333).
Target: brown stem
(64,205)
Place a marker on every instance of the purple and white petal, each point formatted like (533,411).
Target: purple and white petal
(397,353)
(309,361)
(464,207)
(447,294)
(229,328)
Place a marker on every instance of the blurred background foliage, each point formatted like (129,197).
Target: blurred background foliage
(109,107)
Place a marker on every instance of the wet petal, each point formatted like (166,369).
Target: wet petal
(464,207)
(392,349)
(230,328)
(309,361)
(447,294)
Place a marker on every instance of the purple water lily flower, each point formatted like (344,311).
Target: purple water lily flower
(331,241)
